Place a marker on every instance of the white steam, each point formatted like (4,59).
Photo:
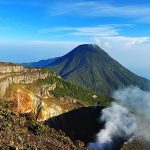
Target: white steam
(138,102)
(118,124)
(128,116)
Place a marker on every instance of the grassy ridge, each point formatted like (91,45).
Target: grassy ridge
(65,88)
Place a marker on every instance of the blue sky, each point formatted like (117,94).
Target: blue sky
(31,30)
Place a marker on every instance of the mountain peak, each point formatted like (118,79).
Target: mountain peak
(91,67)
(88,47)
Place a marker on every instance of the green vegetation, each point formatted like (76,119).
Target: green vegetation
(65,88)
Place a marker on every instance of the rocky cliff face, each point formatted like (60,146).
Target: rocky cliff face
(28,102)
(20,85)
(42,106)
(43,90)
(10,67)
(25,102)
(46,111)
(26,78)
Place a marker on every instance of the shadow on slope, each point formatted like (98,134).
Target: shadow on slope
(79,124)
(83,124)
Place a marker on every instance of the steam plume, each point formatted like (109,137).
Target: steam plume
(118,125)
(138,102)
(128,116)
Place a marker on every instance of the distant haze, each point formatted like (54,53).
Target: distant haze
(30,52)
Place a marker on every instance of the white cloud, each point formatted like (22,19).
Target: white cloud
(125,41)
(129,41)
(105,34)
(132,52)
(98,31)
(140,13)
(99,9)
